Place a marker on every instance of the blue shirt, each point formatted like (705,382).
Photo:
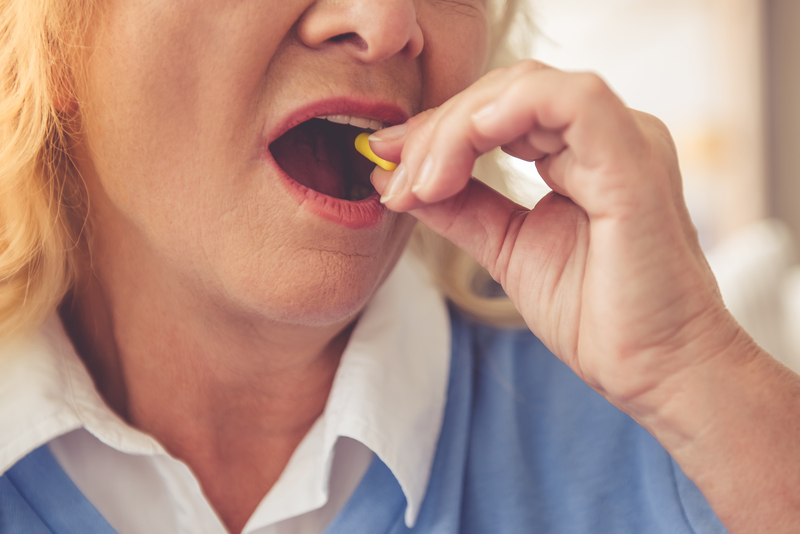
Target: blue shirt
(526,447)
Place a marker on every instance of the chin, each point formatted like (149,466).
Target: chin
(332,289)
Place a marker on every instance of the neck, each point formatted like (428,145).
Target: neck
(230,396)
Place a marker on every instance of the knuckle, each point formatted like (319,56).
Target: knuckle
(494,73)
(592,86)
(653,126)
(658,125)
(421,118)
(418,140)
(528,66)
(416,144)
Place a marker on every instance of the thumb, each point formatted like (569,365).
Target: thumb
(478,219)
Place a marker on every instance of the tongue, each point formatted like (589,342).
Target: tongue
(313,154)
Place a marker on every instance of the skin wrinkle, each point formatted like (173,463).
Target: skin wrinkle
(674,375)
(339,253)
(503,257)
(465,7)
(492,258)
(541,277)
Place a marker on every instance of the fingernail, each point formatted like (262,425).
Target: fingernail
(396,185)
(389,134)
(424,176)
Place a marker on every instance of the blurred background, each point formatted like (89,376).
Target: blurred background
(724,75)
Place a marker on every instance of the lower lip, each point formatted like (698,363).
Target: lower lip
(351,214)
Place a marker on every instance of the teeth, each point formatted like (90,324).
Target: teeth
(358,122)
(338,119)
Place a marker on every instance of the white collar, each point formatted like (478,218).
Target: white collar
(389,394)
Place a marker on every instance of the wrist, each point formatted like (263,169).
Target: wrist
(731,423)
(697,400)
(682,373)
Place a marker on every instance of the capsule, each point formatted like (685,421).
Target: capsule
(362,145)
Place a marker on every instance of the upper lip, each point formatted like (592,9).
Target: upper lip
(370,108)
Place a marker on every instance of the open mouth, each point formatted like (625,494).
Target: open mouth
(320,154)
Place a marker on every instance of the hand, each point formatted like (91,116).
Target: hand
(607,270)
(608,273)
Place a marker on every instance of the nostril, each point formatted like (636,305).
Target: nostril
(342,37)
(353,38)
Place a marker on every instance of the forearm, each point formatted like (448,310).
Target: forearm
(733,425)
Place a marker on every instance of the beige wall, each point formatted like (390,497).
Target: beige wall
(782,39)
(697,65)
(743,181)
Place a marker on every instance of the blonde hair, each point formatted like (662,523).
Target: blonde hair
(42,203)
(39,203)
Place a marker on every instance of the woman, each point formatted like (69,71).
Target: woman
(244,360)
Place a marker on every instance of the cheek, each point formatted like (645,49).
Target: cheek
(171,103)
(455,53)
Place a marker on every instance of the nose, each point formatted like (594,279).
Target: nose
(369,30)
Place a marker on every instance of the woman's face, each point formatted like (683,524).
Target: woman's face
(192,162)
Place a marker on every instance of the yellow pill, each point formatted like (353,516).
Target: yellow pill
(362,145)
